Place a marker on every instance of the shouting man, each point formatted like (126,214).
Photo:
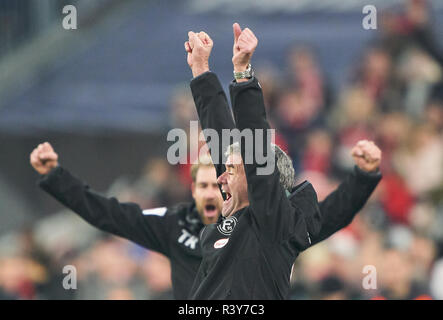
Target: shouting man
(249,254)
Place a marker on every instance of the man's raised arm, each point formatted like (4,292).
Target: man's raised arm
(340,207)
(148,228)
(273,214)
(210,99)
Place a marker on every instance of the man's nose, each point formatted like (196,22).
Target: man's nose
(211,193)
(222,178)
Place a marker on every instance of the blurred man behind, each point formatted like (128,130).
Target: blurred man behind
(172,231)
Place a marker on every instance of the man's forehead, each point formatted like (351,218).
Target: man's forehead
(206,174)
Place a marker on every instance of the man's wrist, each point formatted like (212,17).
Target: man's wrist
(364,172)
(200,69)
(241,67)
(369,170)
(52,168)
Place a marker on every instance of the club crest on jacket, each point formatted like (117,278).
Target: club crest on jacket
(227,225)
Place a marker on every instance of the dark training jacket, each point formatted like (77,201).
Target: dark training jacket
(335,212)
(172,231)
(250,255)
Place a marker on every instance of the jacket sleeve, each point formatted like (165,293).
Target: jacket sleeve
(213,112)
(147,228)
(339,208)
(273,214)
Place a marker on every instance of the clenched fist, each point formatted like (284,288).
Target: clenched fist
(245,43)
(367,155)
(198,47)
(43,158)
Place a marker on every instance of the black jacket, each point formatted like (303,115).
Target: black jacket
(253,261)
(172,231)
(335,212)
(249,255)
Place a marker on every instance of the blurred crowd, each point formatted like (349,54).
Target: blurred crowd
(394,96)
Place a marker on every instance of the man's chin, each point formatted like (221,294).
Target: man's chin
(226,212)
(213,214)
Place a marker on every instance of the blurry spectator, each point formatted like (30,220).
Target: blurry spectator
(352,122)
(423,254)
(313,265)
(343,247)
(302,102)
(421,164)
(374,77)
(318,152)
(109,272)
(434,115)
(423,219)
(294,113)
(157,276)
(396,198)
(332,288)
(159,185)
(418,75)
(182,108)
(393,131)
(355,108)
(306,77)
(396,277)
(18,276)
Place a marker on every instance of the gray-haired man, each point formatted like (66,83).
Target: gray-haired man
(249,254)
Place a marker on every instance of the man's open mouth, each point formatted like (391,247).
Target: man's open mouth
(210,209)
(228,196)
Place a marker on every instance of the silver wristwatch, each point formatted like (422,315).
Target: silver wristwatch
(247,74)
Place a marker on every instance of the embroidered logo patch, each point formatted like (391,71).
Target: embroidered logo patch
(221,243)
(227,225)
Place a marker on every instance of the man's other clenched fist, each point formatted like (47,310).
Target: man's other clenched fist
(367,155)
(198,47)
(43,158)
